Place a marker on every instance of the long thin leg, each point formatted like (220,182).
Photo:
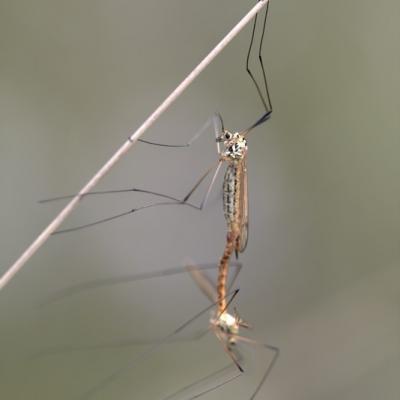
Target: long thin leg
(266,100)
(102,192)
(261,59)
(116,216)
(228,351)
(202,380)
(174,201)
(210,121)
(210,186)
(270,366)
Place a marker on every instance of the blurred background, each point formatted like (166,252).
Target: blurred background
(320,275)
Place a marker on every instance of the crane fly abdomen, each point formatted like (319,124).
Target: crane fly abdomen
(231,190)
(235,201)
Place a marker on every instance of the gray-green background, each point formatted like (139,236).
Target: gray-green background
(321,271)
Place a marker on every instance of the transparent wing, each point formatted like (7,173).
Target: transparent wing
(205,284)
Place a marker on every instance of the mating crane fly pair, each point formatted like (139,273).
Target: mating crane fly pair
(232,150)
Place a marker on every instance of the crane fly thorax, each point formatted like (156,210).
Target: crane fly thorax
(235,145)
(227,326)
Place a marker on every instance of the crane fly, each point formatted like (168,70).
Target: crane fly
(233,153)
(232,149)
(224,325)
(235,198)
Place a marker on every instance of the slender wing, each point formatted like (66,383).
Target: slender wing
(244,212)
(203,282)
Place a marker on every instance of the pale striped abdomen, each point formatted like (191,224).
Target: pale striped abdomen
(231,191)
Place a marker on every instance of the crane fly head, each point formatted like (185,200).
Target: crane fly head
(235,145)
